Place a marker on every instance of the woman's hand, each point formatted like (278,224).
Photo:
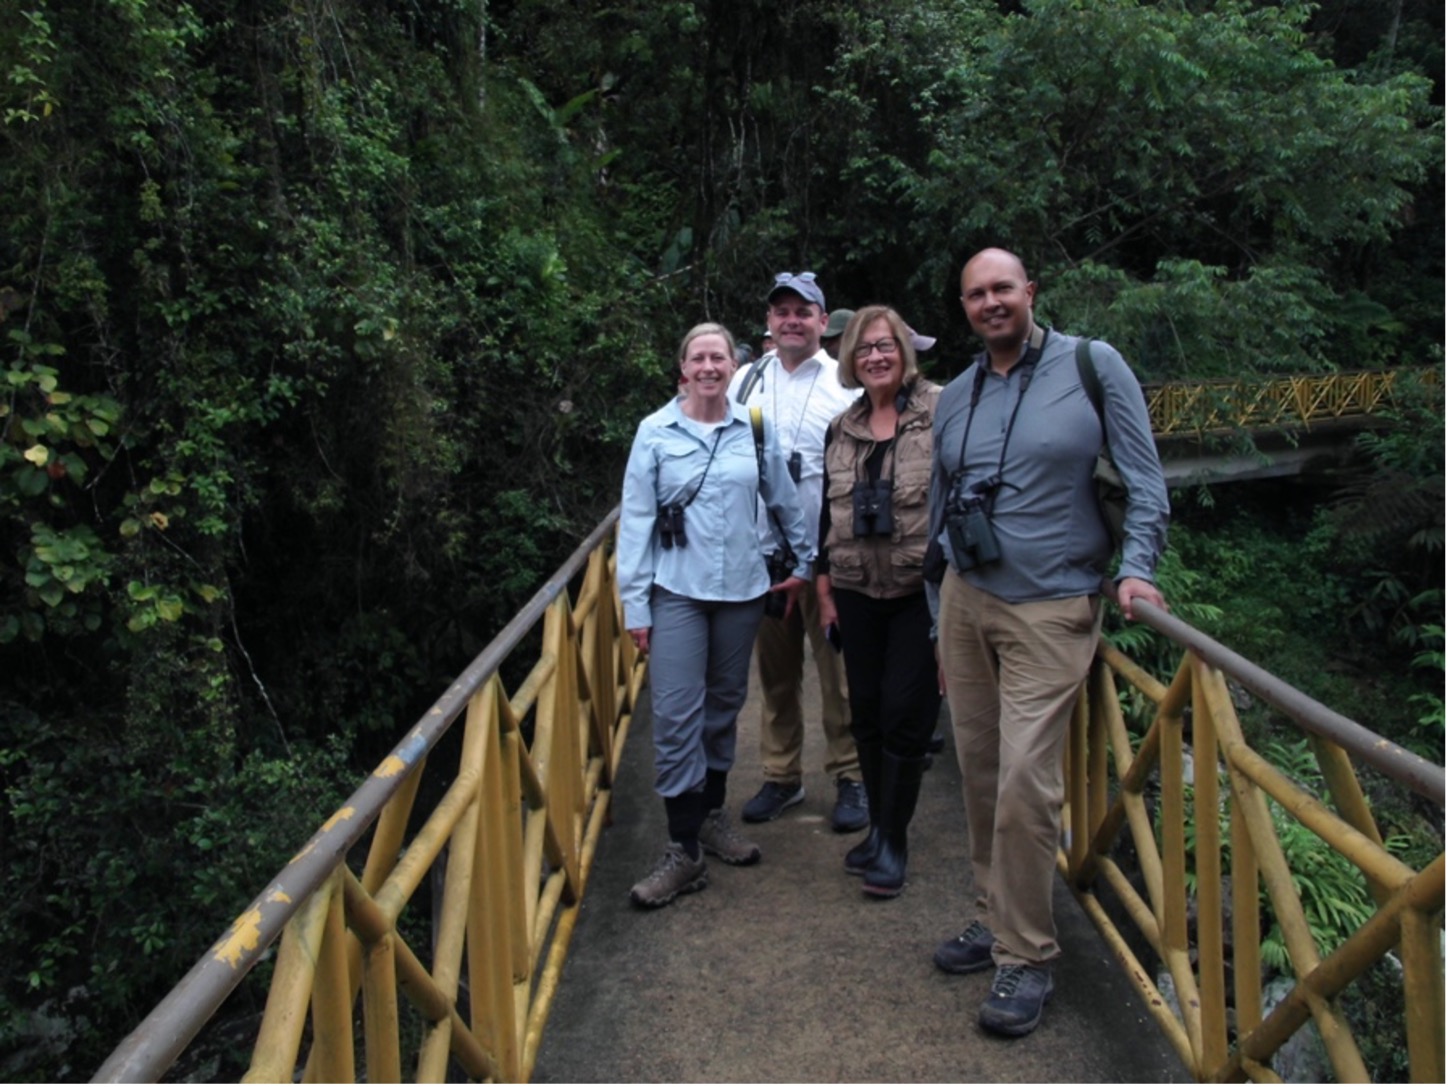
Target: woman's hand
(824,593)
(640,636)
(791,587)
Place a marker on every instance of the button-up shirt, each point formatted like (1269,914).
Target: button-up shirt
(1052,540)
(722,558)
(799,407)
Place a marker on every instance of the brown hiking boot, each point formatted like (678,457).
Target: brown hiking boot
(676,874)
(720,837)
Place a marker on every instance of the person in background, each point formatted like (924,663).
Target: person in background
(799,392)
(692,581)
(870,581)
(1013,505)
(766,344)
(834,329)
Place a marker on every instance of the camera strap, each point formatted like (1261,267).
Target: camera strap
(1028,370)
(712,450)
(902,400)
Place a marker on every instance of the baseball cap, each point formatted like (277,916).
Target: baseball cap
(838,320)
(802,284)
(919,342)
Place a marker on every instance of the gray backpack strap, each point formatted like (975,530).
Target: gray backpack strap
(756,375)
(1086,367)
(1111,492)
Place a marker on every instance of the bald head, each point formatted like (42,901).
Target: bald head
(999,302)
(996,258)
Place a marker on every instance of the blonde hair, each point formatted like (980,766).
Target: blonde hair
(862,320)
(708,328)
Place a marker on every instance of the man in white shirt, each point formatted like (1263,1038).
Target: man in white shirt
(799,390)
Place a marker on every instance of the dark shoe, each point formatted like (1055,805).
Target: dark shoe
(899,791)
(858,859)
(676,874)
(771,800)
(1017,997)
(852,807)
(719,837)
(968,952)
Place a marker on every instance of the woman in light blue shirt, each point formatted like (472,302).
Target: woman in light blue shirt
(692,579)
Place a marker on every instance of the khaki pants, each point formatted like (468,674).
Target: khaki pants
(1012,672)
(779,650)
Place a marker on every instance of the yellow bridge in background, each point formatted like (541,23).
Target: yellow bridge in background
(525,802)
(1197,409)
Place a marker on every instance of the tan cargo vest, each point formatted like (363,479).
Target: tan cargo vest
(881,566)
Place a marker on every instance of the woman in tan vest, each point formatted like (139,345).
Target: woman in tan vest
(869,576)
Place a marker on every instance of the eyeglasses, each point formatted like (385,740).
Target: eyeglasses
(785,277)
(888,346)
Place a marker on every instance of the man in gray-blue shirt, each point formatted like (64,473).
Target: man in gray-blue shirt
(1013,503)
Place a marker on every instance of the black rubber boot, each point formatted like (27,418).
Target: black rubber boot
(862,855)
(899,790)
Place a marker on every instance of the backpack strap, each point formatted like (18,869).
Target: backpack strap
(756,375)
(1086,368)
(756,424)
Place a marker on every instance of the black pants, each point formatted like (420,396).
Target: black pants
(890,667)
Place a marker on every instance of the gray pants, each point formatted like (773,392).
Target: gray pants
(699,673)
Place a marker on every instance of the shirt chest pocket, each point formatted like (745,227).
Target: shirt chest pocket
(681,465)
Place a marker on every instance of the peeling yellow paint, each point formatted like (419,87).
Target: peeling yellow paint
(338,816)
(279,896)
(245,935)
(390,768)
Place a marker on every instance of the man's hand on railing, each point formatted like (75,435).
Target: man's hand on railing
(1132,589)
(640,636)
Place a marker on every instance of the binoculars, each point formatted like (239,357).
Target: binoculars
(671,527)
(967,522)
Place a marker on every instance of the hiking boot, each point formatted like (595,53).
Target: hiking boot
(852,807)
(771,800)
(676,874)
(1017,996)
(968,952)
(719,837)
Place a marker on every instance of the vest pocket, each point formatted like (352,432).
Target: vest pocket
(847,571)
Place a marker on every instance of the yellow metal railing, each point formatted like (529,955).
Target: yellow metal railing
(1182,408)
(516,827)
(1222,1035)
(522,809)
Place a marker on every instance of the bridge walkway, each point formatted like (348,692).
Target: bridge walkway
(785,972)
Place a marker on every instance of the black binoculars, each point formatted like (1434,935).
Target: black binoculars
(873,508)
(967,522)
(671,526)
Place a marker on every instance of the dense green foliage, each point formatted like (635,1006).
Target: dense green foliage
(324,326)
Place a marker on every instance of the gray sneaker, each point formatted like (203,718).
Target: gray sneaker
(1017,996)
(719,836)
(676,874)
(968,952)
(771,800)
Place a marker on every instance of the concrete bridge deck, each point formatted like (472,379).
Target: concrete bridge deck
(785,972)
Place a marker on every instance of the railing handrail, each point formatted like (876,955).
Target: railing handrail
(160,1038)
(1178,821)
(1426,779)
